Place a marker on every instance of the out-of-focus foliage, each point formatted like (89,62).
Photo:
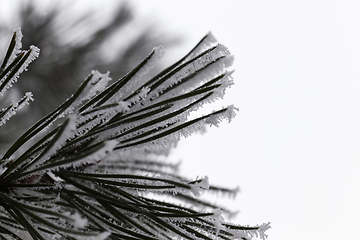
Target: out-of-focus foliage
(71,46)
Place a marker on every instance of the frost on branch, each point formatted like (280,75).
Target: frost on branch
(7,113)
(15,45)
(15,62)
(94,167)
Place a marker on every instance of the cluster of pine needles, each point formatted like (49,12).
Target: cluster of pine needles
(90,169)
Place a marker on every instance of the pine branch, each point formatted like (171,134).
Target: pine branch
(90,176)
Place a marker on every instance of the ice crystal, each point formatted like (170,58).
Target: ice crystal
(79,222)
(200,184)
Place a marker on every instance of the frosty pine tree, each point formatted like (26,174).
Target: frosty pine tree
(86,169)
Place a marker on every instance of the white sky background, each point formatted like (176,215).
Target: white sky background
(294,146)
